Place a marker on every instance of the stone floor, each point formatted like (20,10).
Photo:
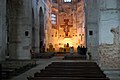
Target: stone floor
(113,74)
(44,62)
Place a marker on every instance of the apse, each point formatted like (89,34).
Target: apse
(67,28)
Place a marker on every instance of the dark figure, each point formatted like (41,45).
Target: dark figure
(78,49)
(32,53)
(43,49)
(84,50)
(81,51)
(67,44)
(64,50)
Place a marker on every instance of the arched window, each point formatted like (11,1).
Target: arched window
(67,0)
(53,18)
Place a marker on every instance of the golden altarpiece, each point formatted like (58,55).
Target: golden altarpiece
(67,27)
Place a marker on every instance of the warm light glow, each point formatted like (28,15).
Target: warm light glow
(69,41)
(66,26)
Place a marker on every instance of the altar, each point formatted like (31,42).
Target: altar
(68,28)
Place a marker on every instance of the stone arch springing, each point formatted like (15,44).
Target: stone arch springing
(41,28)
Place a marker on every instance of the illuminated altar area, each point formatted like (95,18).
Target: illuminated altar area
(67,27)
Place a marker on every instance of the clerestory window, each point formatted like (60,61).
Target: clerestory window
(53,18)
(67,0)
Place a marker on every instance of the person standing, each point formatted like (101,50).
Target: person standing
(78,49)
(71,50)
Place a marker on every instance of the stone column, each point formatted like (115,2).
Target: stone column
(92,27)
(20,29)
(2,29)
(36,24)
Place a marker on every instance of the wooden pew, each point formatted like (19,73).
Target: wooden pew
(64,78)
(15,67)
(57,66)
(45,55)
(70,75)
(71,67)
(7,73)
(71,70)
(74,63)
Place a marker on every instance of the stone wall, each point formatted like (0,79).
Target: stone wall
(109,17)
(109,47)
(110,53)
(37,5)
(109,56)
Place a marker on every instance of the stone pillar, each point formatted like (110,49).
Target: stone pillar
(36,24)
(20,29)
(2,29)
(92,28)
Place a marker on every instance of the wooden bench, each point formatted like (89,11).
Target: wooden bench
(64,78)
(74,57)
(74,63)
(45,55)
(14,67)
(7,73)
(76,70)
(70,75)
(70,71)
(72,68)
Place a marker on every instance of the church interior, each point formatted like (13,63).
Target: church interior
(59,39)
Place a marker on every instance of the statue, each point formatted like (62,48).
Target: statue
(115,32)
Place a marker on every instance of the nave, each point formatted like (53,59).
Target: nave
(56,26)
(48,66)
